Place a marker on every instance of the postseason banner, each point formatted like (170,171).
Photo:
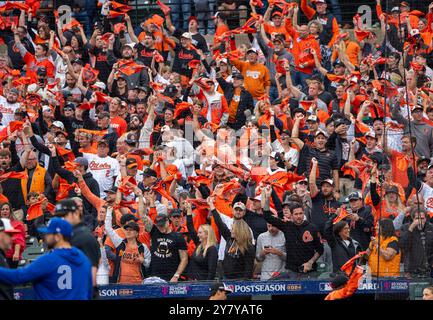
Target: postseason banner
(243,288)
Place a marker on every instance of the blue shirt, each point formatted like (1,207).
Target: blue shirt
(63,274)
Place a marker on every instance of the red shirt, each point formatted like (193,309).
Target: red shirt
(119,125)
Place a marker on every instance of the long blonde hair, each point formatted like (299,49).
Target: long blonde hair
(210,240)
(242,235)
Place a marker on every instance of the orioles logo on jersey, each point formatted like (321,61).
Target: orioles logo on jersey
(307,237)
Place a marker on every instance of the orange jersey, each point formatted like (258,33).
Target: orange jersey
(400,164)
(257,77)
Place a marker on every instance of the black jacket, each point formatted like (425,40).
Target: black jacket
(256,222)
(200,267)
(235,264)
(245,103)
(84,240)
(361,229)
(302,241)
(341,252)
(414,254)
(6,291)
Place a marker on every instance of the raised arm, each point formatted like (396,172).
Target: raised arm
(312,178)
(295,131)
(117,240)
(130,29)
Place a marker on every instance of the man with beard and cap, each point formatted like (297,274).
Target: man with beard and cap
(62,274)
(140,77)
(328,164)
(8,105)
(168,248)
(198,40)
(361,220)
(239,100)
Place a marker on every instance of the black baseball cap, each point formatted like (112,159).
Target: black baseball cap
(111,190)
(132,225)
(149,173)
(220,286)
(131,163)
(422,158)
(170,91)
(238,76)
(128,217)
(161,219)
(41,71)
(65,206)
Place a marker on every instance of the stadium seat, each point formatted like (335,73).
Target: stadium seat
(32,252)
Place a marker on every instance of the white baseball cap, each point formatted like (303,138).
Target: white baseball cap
(99,85)
(186,35)
(58,124)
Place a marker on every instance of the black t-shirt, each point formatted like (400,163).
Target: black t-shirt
(182,58)
(86,242)
(145,54)
(322,210)
(15,55)
(165,253)
(327,161)
(326,97)
(101,63)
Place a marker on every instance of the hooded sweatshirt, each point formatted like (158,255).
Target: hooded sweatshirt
(63,274)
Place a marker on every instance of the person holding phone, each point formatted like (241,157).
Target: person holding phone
(271,251)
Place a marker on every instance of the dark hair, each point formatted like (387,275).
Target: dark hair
(387,229)
(66,238)
(44,46)
(338,227)
(295,205)
(5,153)
(411,138)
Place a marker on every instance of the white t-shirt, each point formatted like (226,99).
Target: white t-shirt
(104,170)
(427,194)
(8,110)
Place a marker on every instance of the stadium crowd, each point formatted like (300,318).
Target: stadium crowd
(152,152)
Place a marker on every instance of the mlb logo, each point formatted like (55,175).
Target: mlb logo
(325,286)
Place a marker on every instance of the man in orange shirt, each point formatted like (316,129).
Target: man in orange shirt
(256,75)
(401,161)
(353,50)
(305,63)
(277,25)
(117,123)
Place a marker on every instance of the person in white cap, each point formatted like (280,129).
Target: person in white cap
(183,54)
(6,233)
(139,77)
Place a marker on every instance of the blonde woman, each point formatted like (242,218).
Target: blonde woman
(203,262)
(239,252)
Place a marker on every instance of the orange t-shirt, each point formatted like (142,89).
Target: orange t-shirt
(130,266)
(257,77)
(119,125)
(233,107)
(400,164)
(270,29)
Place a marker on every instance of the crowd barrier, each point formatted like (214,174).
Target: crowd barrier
(240,288)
